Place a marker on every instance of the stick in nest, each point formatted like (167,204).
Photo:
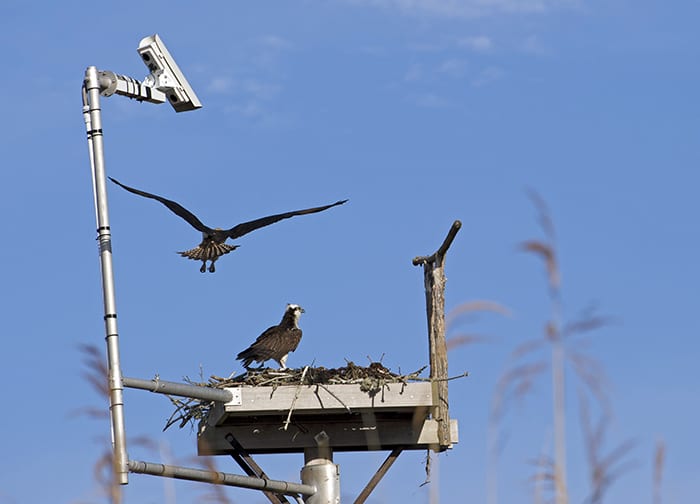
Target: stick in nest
(296,396)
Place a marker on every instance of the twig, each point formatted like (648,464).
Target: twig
(335,396)
(296,396)
(427,468)
(466,373)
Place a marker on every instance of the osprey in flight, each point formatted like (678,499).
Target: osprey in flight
(213,243)
(277,341)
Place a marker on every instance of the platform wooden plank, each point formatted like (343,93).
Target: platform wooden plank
(359,433)
(327,399)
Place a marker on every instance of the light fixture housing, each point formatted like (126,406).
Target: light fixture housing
(165,75)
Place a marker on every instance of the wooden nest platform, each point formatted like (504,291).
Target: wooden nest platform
(352,408)
(370,377)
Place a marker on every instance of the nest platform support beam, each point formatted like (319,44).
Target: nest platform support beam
(434,277)
(388,462)
(251,468)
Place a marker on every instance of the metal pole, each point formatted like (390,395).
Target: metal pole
(319,471)
(179,389)
(325,476)
(220,478)
(96,149)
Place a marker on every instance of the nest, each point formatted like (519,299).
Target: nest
(371,379)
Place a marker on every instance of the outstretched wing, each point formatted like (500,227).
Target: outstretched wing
(172,205)
(247,227)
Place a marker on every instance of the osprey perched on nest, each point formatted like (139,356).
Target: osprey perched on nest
(277,341)
(213,243)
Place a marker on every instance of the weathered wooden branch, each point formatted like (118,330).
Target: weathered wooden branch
(434,278)
(440,254)
(296,396)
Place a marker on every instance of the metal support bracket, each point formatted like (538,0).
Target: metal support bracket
(251,468)
(372,484)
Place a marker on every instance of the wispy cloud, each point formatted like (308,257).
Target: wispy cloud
(254,88)
(248,98)
(487,76)
(429,100)
(251,91)
(480,43)
(251,110)
(453,67)
(274,42)
(220,85)
(414,73)
(533,45)
(260,89)
(256,113)
(470,8)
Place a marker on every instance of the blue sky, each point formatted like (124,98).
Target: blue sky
(420,112)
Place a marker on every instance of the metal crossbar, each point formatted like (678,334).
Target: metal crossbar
(388,462)
(179,389)
(220,478)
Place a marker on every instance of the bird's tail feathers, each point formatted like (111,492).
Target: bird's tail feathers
(211,251)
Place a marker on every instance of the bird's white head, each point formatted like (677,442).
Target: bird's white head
(295,310)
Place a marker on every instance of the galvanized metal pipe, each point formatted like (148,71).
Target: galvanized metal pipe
(96,151)
(220,478)
(320,471)
(324,475)
(179,389)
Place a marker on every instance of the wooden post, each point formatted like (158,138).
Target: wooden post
(434,277)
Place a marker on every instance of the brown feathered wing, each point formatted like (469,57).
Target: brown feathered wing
(276,342)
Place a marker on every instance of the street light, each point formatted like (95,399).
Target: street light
(164,82)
